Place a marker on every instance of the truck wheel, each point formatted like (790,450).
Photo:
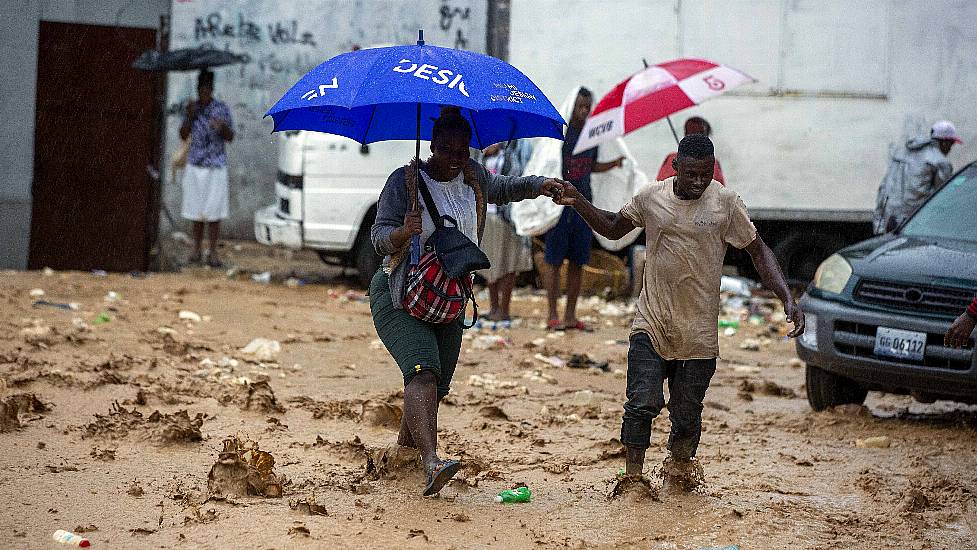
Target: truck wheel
(365,259)
(825,389)
(801,252)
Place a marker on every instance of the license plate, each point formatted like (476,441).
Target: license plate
(901,344)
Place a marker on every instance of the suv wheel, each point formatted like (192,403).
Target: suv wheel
(825,389)
(365,259)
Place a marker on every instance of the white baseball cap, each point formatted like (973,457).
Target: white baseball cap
(945,129)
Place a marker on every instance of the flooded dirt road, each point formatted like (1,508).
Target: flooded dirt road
(150,430)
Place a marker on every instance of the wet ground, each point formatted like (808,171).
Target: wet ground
(144,426)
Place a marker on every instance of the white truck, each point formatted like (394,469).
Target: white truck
(840,83)
(326,195)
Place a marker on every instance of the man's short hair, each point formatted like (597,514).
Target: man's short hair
(205,78)
(696,146)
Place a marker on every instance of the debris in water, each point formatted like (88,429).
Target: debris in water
(876,442)
(263,349)
(308,506)
(242,469)
(186,315)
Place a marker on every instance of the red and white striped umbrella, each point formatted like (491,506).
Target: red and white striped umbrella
(655,93)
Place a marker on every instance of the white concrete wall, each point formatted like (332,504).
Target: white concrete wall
(840,82)
(19,22)
(332,27)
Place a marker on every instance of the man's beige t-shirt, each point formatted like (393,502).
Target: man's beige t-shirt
(686,241)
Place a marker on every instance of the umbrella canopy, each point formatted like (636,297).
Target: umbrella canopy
(381,94)
(655,93)
(186,59)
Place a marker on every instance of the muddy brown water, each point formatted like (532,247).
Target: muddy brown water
(777,475)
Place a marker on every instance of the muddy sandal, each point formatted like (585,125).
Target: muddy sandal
(440,476)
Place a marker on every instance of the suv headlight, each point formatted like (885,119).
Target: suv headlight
(833,274)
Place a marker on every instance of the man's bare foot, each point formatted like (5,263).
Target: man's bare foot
(681,476)
(635,487)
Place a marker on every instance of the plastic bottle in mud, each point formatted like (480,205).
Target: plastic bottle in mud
(519,494)
(71,539)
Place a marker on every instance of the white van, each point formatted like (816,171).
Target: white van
(326,195)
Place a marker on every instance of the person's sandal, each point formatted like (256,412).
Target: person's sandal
(555,324)
(581,326)
(440,476)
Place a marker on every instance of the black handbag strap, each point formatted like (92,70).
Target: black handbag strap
(429,202)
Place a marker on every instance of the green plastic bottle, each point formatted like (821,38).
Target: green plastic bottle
(726,323)
(519,494)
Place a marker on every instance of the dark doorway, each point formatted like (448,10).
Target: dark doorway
(95,130)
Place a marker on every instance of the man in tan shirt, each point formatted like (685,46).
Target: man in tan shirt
(689,220)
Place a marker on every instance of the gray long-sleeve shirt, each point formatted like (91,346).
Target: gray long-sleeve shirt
(394,202)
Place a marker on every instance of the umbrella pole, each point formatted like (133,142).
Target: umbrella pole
(415,241)
(672,126)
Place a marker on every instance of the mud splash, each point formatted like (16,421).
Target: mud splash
(242,469)
(161,429)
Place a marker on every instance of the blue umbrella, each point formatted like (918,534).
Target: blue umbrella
(381,94)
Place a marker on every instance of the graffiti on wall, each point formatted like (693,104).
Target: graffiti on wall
(280,42)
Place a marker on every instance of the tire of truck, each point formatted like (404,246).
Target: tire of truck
(365,258)
(801,252)
(825,389)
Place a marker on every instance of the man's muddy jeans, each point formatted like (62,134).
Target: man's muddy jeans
(687,384)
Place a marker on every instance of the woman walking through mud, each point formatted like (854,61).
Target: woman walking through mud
(427,352)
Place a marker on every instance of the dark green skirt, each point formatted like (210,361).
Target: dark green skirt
(416,345)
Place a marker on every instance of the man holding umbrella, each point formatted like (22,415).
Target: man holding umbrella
(209,126)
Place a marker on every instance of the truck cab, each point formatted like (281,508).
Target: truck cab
(326,194)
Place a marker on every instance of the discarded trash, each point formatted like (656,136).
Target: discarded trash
(876,442)
(292,282)
(756,320)
(491,341)
(263,278)
(354,296)
(509,496)
(112,296)
(583,361)
(66,307)
(48,272)
(746,369)
(729,332)
(618,373)
(186,315)
(263,349)
(100,273)
(729,323)
(71,539)
(37,293)
(583,398)
(737,286)
(538,376)
(612,310)
(552,360)
(539,342)
(102,318)
(490,382)
(750,344)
